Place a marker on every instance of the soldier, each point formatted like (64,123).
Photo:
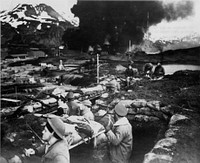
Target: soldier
(86,110)
(159,71)
(120,136)
(56,149)
(74,108)
(130,73)
(113,85)
(148,70)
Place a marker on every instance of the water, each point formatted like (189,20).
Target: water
(171,68)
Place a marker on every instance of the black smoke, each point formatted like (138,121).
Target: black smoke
(181,9)
(120,21)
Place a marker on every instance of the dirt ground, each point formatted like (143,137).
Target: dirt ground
(180,90)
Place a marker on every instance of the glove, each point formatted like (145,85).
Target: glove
(29,152)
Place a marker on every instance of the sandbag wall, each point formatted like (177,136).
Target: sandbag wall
(147,111)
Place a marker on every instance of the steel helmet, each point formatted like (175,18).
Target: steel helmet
(70,95)
(120,110)
(87,103)
(57,125)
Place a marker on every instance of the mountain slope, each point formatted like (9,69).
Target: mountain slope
(33,25)
(24,13)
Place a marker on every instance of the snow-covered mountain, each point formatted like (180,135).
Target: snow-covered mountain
(25,13)
(37,24)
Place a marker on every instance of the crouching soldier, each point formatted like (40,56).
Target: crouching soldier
(86,110)
(113,86)
(74,108)
(120,136)
(148,70)
(56,149)
(159,71)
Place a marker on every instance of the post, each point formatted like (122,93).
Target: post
(129,46)
(97,68)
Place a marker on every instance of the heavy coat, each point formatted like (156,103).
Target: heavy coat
(120,139)
(159,71)
(86,112)
(57,153)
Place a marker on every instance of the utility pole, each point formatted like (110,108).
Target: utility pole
(129,46)
(147,25)
(147,19)
(97,68)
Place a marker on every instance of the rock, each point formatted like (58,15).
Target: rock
(157,158)
(127,103)
(114,102)
(144,110)
(171,131)
(120,68)
(177,117)
(145,118)
(132,111)
(153,119)
(166,143)
(15,159)
(167,109)
(138,103)
(154,105)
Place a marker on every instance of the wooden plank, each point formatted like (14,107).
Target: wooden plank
(10,100)
(86,139)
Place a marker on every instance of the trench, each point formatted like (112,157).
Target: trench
(145,135)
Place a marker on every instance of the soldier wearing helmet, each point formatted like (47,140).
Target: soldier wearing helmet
(120,136)
(56,149)
(113,85)
(86,110)
(74,108)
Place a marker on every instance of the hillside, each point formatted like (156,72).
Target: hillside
(181,56)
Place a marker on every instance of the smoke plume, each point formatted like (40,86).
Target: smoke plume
(181,26)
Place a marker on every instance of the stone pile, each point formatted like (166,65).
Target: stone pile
(147,111)
(180,143)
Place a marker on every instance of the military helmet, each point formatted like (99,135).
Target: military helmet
(120,110)
(57,125)
(70,95)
